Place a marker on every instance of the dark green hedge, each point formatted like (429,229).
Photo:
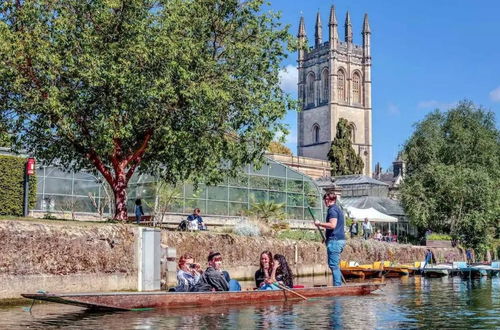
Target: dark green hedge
(11,185)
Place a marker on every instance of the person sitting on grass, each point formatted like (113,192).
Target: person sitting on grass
(266,266)
(196,219)
(281,274)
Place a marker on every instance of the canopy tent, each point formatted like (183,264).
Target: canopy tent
(372,215)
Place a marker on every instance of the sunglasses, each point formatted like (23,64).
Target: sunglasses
(217,259)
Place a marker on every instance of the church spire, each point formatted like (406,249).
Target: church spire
(333,29)
(366,25)
(318,35)
(302,39)
(302,29)
(348,28)
(366,38)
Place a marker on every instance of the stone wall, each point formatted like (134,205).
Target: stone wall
(66,256)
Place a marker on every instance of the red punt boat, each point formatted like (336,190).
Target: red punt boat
(147,300)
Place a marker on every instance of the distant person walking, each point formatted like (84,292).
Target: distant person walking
(138,210)
(335,237)
(354,229)
(367,229)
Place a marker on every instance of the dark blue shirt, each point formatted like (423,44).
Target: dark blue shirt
(334,211)
(195,217)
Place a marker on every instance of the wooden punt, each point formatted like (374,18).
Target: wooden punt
(395,271)
(113,301)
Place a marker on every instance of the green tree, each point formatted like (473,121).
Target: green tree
(342,156)
(191,87)
(276,147)
(453,174)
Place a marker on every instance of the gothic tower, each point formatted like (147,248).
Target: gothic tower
(334,82)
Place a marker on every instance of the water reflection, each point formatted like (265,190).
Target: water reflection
(407,303)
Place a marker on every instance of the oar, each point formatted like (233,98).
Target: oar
(320,231)
(324,240)
(290,290)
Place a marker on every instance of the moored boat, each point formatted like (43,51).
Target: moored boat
(142,300)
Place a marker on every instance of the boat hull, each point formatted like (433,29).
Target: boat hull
(145,300)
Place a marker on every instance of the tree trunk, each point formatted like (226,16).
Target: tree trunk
(120,193)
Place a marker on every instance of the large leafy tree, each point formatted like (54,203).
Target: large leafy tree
(276,147)
(342,156)
(190,87)
(453,174)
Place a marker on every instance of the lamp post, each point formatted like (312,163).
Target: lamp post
(29,170)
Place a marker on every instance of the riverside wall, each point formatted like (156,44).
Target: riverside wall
(70,256)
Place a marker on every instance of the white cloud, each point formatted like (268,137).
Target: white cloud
(433,104)
(393,109)
(495,94)
(288,79)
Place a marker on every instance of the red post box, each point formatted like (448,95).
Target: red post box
(30,166)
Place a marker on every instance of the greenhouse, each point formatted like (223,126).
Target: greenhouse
(82,192)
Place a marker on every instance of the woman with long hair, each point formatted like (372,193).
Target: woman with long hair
(266,266)
(281,271)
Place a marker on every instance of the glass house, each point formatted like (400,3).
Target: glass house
(85,193)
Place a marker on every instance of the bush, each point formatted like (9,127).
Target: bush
(11,185)
(246,228)
(438,237)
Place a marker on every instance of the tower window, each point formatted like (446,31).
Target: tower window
(325,79)
(316,133)
(356,87)
(310,89)
(352,131)
(341,85)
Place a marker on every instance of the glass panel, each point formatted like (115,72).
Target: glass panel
(295,213)
(58,186)
(145,190)
(277,197)
(177,205)
(82,204)
(217,208)
(200,192)
(276,169)
(277,184)
(238,194)
(293,175)
(259,182)
(55,172)
(83,188)
(39,185)
(38,205)
(317,214)
(191,204)
(295,186)
(240,181)
(217,193)
(263,170)
(237,209)
(85,176)
(255,196)
(295,200)
(312,200)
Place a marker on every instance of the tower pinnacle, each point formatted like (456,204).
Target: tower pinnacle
(318,35)
(348,28)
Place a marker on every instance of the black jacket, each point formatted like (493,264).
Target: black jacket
(211,279)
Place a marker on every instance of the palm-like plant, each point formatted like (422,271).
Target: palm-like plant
(267,211)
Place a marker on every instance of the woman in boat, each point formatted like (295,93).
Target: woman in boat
(281,274)
(266,266)
(189,273)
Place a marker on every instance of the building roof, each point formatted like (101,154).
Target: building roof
(357,179)
(381,204)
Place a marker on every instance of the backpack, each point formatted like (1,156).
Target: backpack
(183,226)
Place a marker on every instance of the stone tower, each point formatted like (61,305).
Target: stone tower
(334,82)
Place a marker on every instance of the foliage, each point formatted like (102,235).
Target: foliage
(166,196)
(276,147)
(342,156)
(267,211)
(246,228)
(191,87)
(453,175)
(300,235)
(12,187)
(439,237)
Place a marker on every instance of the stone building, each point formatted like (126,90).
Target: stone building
(334,82)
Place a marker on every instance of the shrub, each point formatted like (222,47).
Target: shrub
(11,185)
(438,237)
(246,228)
(300,235)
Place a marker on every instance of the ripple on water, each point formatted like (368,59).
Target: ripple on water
(410,304)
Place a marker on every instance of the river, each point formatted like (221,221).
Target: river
(406,303)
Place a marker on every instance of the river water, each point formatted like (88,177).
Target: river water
(407,303)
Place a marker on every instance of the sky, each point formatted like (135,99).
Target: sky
(426,54)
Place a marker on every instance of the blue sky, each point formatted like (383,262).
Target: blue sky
(426,55)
